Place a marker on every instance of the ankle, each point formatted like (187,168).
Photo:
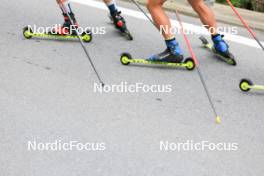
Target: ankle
(112,8)
(173,46)
(171,42)
(214,36)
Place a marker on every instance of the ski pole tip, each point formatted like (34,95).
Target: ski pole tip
(102,84)
(218,120)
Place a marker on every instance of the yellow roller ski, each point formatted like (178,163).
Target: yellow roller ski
(188,63)
(28,34)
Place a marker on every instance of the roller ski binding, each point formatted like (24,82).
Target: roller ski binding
(188,63)
(246,85)
(224,56)
(65,31)
(120,24)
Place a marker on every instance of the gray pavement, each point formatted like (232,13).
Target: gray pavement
(46,94)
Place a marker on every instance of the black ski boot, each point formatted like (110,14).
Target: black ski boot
(120,24)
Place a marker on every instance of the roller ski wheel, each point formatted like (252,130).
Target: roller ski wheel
(188,63)
(87,36)
(247,85)
(125,58)
(28,34)
(229,60)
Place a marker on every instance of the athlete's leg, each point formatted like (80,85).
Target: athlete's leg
(65,6)
(173,52)
(206,15)
(111,6)
(159,16)
(208,19)
(118,20)
(66,9)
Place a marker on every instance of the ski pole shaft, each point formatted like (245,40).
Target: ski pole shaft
(197,67)
(245,24)
(218,120)
(138,6)
(83,46)
(187,40)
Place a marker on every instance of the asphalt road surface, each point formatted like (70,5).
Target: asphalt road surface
(46,94)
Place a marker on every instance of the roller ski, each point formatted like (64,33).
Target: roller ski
(65,31)
(246,85)
(220,49)
(187,63)
(120,24)
(172,57)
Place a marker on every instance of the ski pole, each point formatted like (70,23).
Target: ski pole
(83,46)
(218,119)
(245,24)
(138,6)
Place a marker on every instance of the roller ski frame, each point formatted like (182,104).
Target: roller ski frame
(126,33)
(188,63)
(28,34)
(246,85)
(209,46)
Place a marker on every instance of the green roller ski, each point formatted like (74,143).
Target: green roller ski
(230,60)
(247,85)
(126,59)
(28,34)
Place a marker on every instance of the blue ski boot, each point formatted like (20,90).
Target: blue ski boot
(172,54)
(221,47)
